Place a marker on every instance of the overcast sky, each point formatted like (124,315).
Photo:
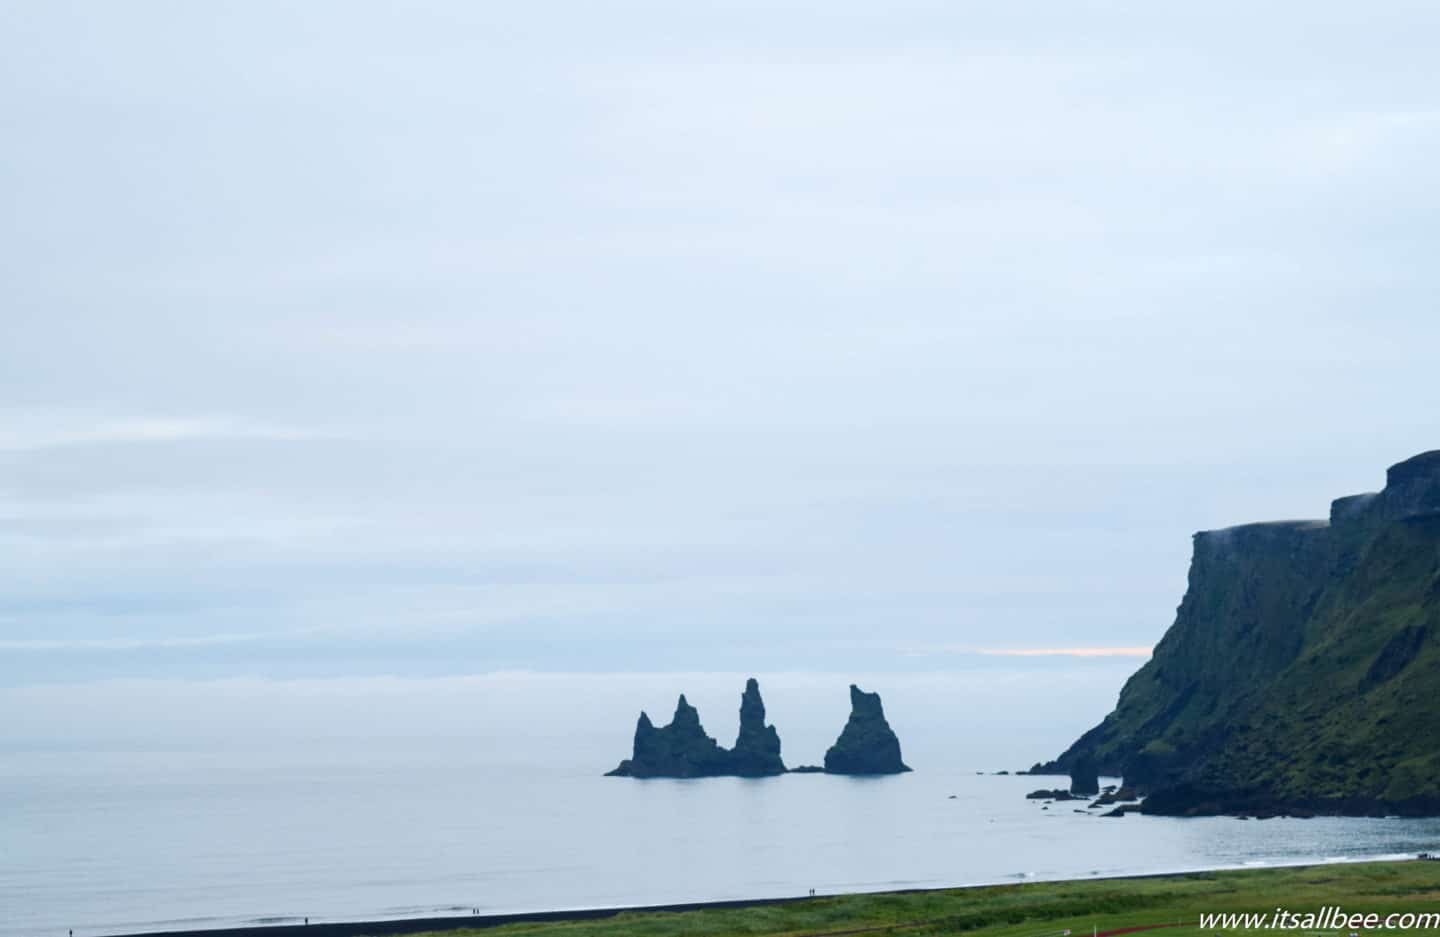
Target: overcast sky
(449,338)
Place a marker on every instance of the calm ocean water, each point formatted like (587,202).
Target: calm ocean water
(108,843)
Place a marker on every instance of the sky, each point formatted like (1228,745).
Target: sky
(360,341)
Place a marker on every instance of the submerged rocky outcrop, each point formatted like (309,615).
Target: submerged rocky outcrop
(867,744)
(1302,672)
(682,749)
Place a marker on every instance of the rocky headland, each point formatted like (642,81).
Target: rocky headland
(1302,673)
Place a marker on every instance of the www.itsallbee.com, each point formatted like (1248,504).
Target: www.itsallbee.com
(1335,918)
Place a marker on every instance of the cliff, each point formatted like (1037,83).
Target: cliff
(682,749)
(866,745)
(1302,672)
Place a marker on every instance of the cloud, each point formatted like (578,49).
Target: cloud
(34,432)
(1066,652)
(927,650)
(727,336)
(124,644)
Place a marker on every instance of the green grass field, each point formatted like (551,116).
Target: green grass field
(1042,909)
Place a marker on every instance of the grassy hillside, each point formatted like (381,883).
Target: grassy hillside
(1037,910)
(1356,717)
(1303,669)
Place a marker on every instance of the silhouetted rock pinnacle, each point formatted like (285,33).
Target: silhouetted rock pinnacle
(757,747)
(866,745)
(679,750)
(683,750)
(1084,776)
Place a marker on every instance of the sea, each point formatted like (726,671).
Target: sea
(281,823)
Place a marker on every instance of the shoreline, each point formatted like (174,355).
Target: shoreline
(400,926)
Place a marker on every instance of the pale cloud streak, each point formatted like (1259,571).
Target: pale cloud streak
(928,650)
(124,644)
(38,431)
(1065,652)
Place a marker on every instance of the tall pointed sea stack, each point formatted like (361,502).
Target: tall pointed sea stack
(1084,776)
(757,748)
(678,750)
(683,750)
(866,745)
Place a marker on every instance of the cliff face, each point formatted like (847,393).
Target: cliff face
(1302,671)
(682,749)
(866,745)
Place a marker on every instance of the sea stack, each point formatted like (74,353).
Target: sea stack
(866,745)
(757,748)
(1084,777)
(678,750)
(683,750)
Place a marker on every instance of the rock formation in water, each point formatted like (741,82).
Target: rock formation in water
(1302,673)
(866,745)
(1084,776)
(757,747)
(683,750)
(678,750)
